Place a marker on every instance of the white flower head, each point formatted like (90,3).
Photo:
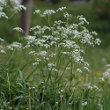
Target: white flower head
(86,68)
(97,41)
(79,70)
(43,53)
(31,38)
(84,103)
(3,2)
(3,15)
(51,64)
(82,20)
(2,51)
(67,15)
(108,65)
(35,27)
(37,11)
(94,33)
(35,63)
(48,12)
(19,8)
(61,9)
(18,29)
(2,40)
(14,45)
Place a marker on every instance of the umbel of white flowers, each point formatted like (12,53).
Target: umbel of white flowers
(60,35)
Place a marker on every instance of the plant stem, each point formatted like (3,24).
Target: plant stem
(29,99)
(9,89)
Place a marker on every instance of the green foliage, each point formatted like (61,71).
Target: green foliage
(103,7)
(16,93)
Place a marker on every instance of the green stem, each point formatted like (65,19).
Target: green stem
(29,100)
(9,88)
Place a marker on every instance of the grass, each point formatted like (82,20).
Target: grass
(49,96)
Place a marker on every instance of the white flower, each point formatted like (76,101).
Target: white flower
(59,22)
(48,12)
(79,70)
(97,41)
(46,45)
(86,64)
(31,38)
(84,103)
(35,27)
(37,11)
(67,15)
(86,68)
(91,87)
(94,33)
(52,55)
(2,14)
(47,36)
(106,74)
(19,8)
(69,43)
(82,20)
(68,68)
(78,59)
(14,45)
(100,106)
(3,2)
(61,9)
(9,47)
(35,63)
(108,65)
(65,53)
(95,87)
(2,40)
(102,78)
(2,51)
(27,46)
(32,52)
(18,29)
(43,53)
(54,69)
(51,64)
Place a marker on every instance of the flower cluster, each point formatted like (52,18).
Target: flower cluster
(62,41)
(3,2)
(2,40)
(37,11)
(18,29)
(106,74)
(49,11)
(61,38)
(18,8)
(14,45)
(2,14)
(61,9)
(2,50)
